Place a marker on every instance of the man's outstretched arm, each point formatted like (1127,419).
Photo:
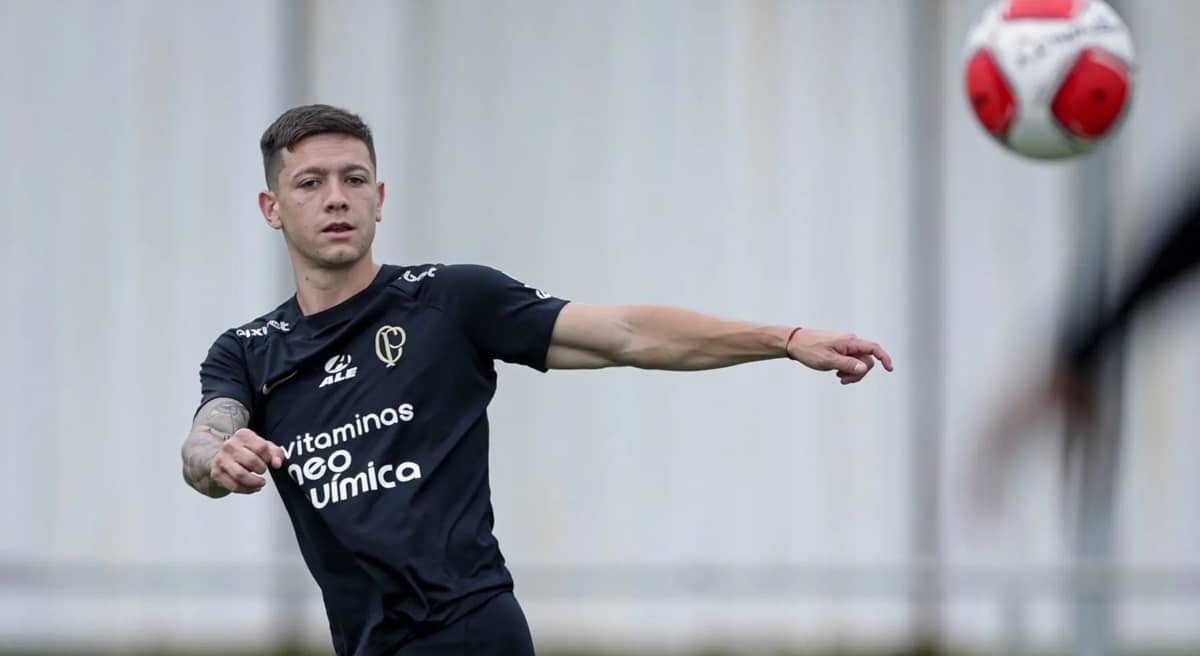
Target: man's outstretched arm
(221,455)
(663,337)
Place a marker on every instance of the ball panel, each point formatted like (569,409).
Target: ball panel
(1038,136)
(1092,95)
(1018,9)
(989,93)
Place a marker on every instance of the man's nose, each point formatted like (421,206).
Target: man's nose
(336,201)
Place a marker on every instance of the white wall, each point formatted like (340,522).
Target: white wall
(743,158)
(130,143)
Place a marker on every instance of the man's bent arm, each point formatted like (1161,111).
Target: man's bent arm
(216,421)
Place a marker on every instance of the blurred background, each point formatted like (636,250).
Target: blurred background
(806,162)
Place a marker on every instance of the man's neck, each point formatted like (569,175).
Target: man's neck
(320,289)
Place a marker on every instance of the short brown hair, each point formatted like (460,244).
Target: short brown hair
(299,123)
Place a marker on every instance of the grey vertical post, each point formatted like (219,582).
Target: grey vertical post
(1092,451)
(926,55)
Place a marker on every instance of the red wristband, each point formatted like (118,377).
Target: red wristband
(787,354)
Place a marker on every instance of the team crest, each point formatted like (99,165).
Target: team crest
(389,344)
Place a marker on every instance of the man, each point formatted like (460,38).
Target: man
(365,397)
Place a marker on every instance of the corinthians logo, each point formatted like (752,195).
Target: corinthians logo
(389,344)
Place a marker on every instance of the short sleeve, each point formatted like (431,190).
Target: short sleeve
(224,374)
(505,318)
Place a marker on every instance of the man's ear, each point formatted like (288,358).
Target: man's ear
(379,203)
(269,207)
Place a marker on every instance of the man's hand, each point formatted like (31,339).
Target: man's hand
(826,350)
(240,463)
(221,455)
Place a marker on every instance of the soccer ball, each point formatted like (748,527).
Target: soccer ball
(1049,79)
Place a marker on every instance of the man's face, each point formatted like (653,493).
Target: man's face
(326,200)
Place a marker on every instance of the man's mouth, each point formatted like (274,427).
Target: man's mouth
(338,227)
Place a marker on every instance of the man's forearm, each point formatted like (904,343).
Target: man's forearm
(199,449)
(215,422)
(663,337)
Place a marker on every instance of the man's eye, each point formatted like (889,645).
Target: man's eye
(356,180)
(308,184)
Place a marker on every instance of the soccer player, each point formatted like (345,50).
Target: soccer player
(365,397)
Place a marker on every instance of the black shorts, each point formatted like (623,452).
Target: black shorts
(497,628)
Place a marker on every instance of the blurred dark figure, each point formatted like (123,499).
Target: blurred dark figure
(1067,382)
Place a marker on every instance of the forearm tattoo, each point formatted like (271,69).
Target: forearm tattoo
(216,421)
(223,418)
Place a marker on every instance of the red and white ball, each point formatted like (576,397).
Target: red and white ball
(1050,79)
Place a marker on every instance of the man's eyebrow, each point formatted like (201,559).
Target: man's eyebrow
(321,170)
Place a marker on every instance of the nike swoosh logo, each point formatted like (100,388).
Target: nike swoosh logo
(267,389)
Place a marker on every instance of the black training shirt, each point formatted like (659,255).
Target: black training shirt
(380,405)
